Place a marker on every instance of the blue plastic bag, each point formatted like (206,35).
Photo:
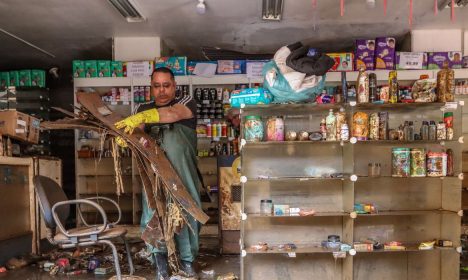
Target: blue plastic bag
(282,91)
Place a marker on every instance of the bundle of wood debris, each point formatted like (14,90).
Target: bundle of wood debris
(165,192)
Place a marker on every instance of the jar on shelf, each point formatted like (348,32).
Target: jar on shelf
(418,162)
(275,129)
(400,162)
(436,164)
(253,129)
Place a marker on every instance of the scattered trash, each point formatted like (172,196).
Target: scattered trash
(15,263)
(208,272)
(229,276)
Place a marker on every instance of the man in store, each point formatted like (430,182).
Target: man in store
(170,120)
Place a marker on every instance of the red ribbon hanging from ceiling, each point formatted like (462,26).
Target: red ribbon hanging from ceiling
(342,7)
(410,18)
(385,7)
(452,14)
(436,9)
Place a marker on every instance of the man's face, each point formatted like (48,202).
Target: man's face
(162,88)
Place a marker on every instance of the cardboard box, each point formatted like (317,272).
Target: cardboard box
(385,53)
(231,67)
(411,60)
(116,69)
(24,78)
(4,80)
(138,68)
(19,126)
(78,69)
(178,64)
(436,60)
(343,61)
(90,68)
(364,54)
(38,78)
(14,78)
(103,68)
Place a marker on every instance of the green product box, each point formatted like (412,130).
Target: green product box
(90,67)
(38,78)
(103,68)
(4,80)
(78,69)
(24,78)
(14,78)
(116,69)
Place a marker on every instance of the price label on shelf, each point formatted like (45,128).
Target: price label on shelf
(114,103)
(292,254)
(126,103)
(412,61)
(451,106)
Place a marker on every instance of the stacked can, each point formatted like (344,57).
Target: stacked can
(400,162)
(418,162)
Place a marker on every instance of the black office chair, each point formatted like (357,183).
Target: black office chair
(55,208)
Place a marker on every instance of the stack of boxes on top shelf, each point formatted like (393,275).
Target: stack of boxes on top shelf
(25,92)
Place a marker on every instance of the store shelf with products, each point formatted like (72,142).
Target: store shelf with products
(289,174)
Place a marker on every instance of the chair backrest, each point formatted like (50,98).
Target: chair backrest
(48,193)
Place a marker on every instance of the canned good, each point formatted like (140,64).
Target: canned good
(418,162)
(436,164)
(253,129)
(275,129)
(400,162)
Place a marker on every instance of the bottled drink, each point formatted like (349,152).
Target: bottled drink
(432,131)
(425,131)
(373,87)
(393,86)
(344,87)
(410,131)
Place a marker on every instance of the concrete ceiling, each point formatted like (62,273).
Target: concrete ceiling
(83,29)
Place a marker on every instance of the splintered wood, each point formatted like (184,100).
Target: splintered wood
(161,183)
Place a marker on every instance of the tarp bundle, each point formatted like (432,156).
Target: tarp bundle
(292,76)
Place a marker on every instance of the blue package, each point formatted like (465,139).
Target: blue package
(178,64)
(251,96)
(231,67)
(191,65)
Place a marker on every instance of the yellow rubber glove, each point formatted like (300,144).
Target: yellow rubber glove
(132,122)
(121,142)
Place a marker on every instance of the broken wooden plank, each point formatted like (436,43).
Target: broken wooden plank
(147,147)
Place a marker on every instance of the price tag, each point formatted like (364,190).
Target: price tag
(126,103)
(114,103)
(451,106)
(292,254)
(412,61)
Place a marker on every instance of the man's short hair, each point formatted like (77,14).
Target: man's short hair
(163,70)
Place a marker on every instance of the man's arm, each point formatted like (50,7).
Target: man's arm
(174,113)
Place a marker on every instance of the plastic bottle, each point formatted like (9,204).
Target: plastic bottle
(214,131)
(425,131)
(406,131)
(432,131)
(344,87)
(373,87)
(410,131)
(219,129)
(208,130)
(331,126)
(223,129)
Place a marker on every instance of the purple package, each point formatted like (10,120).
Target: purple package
(364,54)
(436,60)
(385,53)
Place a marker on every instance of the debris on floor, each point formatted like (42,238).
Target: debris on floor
(228,276)
(128,277)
